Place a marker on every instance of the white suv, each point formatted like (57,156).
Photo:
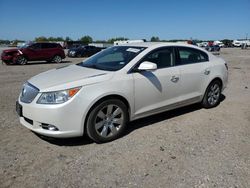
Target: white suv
(120,84)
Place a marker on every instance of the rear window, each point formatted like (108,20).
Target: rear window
(50,45)
(190,56)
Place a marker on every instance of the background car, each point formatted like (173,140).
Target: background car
(34,52)
(83,51)
(213,48)
(120,84)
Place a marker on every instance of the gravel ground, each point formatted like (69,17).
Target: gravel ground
(187,147)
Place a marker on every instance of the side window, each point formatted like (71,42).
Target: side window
(45,45)
(190,55)
(162,58)
(36,46)
(91,48)
(52,45)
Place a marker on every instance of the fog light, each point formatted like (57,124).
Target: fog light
(52,128)
(49,127)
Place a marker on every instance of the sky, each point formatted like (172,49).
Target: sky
(134,19)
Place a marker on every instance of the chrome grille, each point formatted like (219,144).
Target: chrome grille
(29,92)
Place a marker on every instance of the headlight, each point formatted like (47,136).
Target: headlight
(73,52)
(57,97)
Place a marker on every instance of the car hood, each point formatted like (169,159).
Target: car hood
(68,77)
(75,49)
(10,50)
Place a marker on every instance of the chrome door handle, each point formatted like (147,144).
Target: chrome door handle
(175,79)
(207,72)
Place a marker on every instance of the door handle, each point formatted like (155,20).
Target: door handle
(207,72)
(175,79)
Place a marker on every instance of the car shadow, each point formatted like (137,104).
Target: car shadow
(140,123)
(77,141)
(132,126)
(137,124)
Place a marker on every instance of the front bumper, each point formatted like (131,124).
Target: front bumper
(71,54)
(7,59)
(68,117)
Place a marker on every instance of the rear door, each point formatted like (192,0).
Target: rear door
(48,51)
(194,68)
(154,90)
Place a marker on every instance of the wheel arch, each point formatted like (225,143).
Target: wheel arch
(216,78)
(24,55)
(212,80)
(57,54)
(111,96)
(14,59)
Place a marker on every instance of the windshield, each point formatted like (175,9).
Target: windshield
(26,45)
(112,59)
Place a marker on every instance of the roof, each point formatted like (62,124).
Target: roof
(157,44)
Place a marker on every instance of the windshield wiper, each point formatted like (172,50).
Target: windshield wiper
(94,66)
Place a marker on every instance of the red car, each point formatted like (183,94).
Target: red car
(34,52)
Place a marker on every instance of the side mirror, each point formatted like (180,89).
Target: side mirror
(147,66)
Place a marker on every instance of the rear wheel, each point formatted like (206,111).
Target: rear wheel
(21,60)
(107,121)
(57,59)
(212,95)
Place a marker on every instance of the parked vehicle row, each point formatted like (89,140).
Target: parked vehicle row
(227,43)
(34,52)
(120,84)
(239,43)
(50,52)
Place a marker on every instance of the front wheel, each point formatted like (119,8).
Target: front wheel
(107,121)
(57,59)
(21,60)
(213,95)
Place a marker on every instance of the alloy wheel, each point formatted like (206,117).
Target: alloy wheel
(213,94)
(109,120)
(21,60)
(57,59)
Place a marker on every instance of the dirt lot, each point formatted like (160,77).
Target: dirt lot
(188,147)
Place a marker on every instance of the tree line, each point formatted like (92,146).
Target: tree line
(88,39)
(84,39)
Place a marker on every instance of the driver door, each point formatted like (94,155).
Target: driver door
(156,90)
(34,52)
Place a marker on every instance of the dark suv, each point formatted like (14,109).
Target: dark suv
(34,52)
(83,51)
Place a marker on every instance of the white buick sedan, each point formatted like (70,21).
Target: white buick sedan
(120,84)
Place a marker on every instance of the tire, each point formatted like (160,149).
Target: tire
(57,59)
(79,55)
(107,121)
(21,60)
(213,95)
